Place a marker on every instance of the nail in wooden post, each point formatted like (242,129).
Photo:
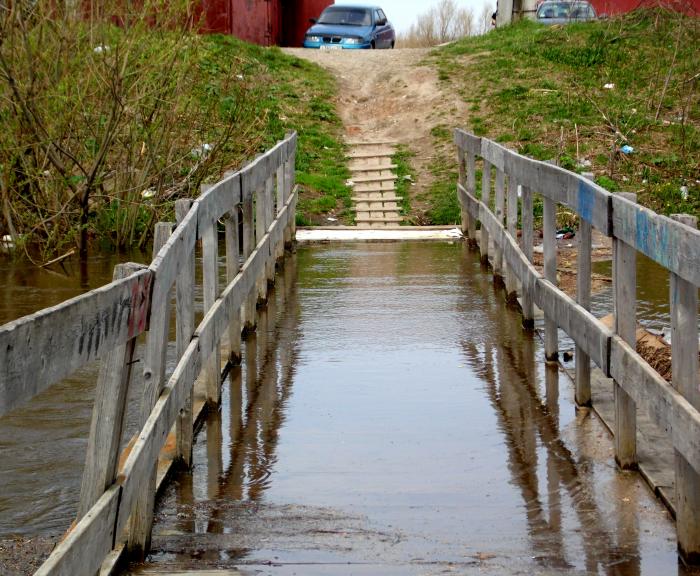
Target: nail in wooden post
(184,316)
(583,297)
(512,227)
(551,341)
(499,211)
(154,377)
(684,366)
(485,198)
(527,245)
(108,412)
(625,309)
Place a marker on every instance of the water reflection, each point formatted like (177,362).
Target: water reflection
(530,424)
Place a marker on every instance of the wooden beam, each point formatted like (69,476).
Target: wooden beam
(549,232)
(583,297)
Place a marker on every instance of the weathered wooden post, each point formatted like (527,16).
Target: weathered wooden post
(184,316)
(471,188)
(210,288)
(281,189)
(499,211)
(527,246)
(232,269)
(108,412)
(625,312)
(269,218)
(260,220)
(248,246)
(153,377)
(485,198)
(292,179)
(462,179)
(512,227)
(684,366)
(583,297)
(549,232)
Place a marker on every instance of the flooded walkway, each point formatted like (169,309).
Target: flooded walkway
(390,417)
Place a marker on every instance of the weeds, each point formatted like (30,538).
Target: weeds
(579,93)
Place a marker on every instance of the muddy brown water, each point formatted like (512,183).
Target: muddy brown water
(389,416)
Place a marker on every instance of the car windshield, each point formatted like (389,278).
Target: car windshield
(565,10)
(346,16)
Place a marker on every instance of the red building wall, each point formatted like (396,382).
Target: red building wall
(611,7)
(264,22)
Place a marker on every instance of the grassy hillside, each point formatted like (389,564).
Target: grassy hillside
(579,93)
(104,127)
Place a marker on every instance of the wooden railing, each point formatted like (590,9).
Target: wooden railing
(674,243)
(257,205)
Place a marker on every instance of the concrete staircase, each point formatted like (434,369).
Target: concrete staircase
(374,184)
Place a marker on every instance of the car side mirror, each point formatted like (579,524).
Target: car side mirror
(381,22)
(313,20)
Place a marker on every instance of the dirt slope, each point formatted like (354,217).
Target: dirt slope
(389,95)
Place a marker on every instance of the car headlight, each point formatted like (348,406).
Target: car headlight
(313,38)
(353,40)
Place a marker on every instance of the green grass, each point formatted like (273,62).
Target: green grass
(405,176)
(294,95)
(542,91)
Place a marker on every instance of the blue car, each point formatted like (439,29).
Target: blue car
(350,27)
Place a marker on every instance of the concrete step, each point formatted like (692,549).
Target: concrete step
(393,219)
(372,154)
(370,188)
(372,168)
(367,179)
(374,143)
(392,198)
(382,207)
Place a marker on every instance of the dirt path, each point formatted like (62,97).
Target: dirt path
(389,95)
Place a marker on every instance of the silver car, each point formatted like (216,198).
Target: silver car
(552,12)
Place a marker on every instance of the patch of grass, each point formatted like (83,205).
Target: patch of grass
(405,176)
(543,90)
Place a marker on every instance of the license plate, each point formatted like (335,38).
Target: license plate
(331,47)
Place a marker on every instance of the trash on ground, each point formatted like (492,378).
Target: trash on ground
(684,192)
(627,149)
(148,193)
(565,233)
(609,86)
(202,151)
(332,219)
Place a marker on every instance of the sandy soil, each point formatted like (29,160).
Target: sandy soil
(390,95)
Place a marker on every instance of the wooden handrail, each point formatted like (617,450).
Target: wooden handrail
(671,242)
(35,351)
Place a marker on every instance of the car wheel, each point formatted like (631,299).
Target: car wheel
(392,44)
(373,45)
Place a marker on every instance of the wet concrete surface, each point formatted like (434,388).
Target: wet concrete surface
(390,416)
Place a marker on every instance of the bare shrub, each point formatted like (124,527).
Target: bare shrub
(107,117)
(443,22)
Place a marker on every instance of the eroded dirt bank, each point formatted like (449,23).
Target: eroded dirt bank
(391,95)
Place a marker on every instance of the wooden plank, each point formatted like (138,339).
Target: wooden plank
(485,198)
(499,211)
(551,341)
(494,154)
(232,270)
(671,244)
(467,142)
(81,552)
(135,476)
(248,246)
(583,297)
(665,405)
(471,187)
(528,226)
(217,200)
(184,314)
(584,328)
(153,378)
(470,202)
(166,263)
(108,413)
(210,290)
(625,313)
(512,228)
(269,219)
(260,230)
(684,366)
(38,350)
(462,181)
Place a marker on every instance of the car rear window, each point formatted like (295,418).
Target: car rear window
(565,10)
(346,16)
